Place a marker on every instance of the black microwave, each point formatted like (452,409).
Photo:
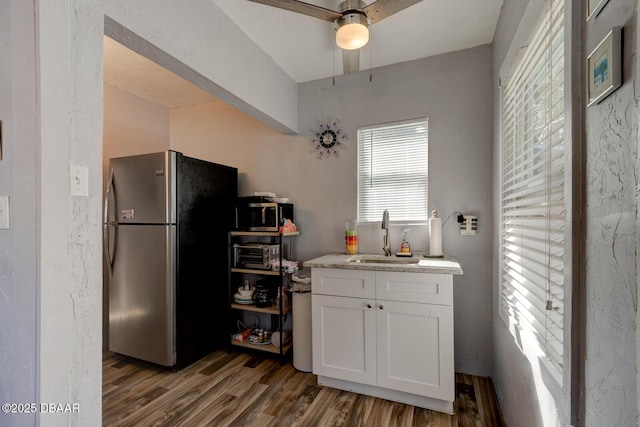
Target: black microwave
(256,214)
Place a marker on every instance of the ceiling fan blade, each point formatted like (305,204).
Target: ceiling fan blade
(378,10)
(303,8)
(350,61)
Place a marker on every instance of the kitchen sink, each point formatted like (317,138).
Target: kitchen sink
(372,259)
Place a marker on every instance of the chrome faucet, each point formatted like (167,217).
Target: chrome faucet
(385,226)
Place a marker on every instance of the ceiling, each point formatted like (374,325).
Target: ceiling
(304,47)
(134,73)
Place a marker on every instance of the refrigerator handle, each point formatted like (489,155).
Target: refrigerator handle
(105,230)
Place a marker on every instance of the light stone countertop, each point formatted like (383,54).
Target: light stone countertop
(377,262)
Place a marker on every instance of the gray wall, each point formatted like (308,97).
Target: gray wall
(18,246)
(454,92)
(611,140)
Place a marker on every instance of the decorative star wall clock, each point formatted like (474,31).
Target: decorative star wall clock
(328,139)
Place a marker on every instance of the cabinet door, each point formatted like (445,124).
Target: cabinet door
(415,348)
(344,341)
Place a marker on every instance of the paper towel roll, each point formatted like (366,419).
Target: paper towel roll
(435,235)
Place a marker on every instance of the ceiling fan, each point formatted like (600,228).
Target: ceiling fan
(353,20)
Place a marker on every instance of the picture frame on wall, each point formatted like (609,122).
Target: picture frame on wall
(604,67)
(594,7)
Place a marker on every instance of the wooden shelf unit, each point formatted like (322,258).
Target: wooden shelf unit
(278,312)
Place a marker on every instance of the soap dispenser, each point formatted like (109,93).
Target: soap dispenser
(405,247)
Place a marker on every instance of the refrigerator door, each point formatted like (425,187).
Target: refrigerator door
(142,189)
(142,292)
(205,206)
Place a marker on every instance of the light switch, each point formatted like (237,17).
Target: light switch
(79,176)
(4,212)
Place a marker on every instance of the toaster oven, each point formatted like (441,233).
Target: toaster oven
(255,255)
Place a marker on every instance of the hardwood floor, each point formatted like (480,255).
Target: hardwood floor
(246,389)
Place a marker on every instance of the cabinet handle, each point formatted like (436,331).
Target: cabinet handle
(368,305)
(381,307)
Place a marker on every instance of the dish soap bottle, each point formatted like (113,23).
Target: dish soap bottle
(405,247)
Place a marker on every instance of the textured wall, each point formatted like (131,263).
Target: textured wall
(70,94)
(452,90)
(611,241)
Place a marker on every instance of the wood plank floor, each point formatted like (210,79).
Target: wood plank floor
(247,389)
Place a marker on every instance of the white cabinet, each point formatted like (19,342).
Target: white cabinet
(344,338)
(415,348)
(395,338)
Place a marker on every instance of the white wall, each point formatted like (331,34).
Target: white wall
(611,295)
(220,133)
(453,91)
(133,125)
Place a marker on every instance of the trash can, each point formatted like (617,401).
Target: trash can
(301,291)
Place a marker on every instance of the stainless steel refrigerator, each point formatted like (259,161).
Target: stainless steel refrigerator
(166,218)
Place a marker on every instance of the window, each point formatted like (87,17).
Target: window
(534,230)
(392,171)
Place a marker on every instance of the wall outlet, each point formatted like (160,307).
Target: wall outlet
(79,180)
(4,212)
(469,226)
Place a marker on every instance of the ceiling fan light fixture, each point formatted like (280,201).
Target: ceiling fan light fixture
(353,31)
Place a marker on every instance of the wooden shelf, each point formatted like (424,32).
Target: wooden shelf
(256,271)
(264,347)
(269,310)
(263,233)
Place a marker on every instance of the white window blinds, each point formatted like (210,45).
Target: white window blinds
(533,188)
(392,171)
